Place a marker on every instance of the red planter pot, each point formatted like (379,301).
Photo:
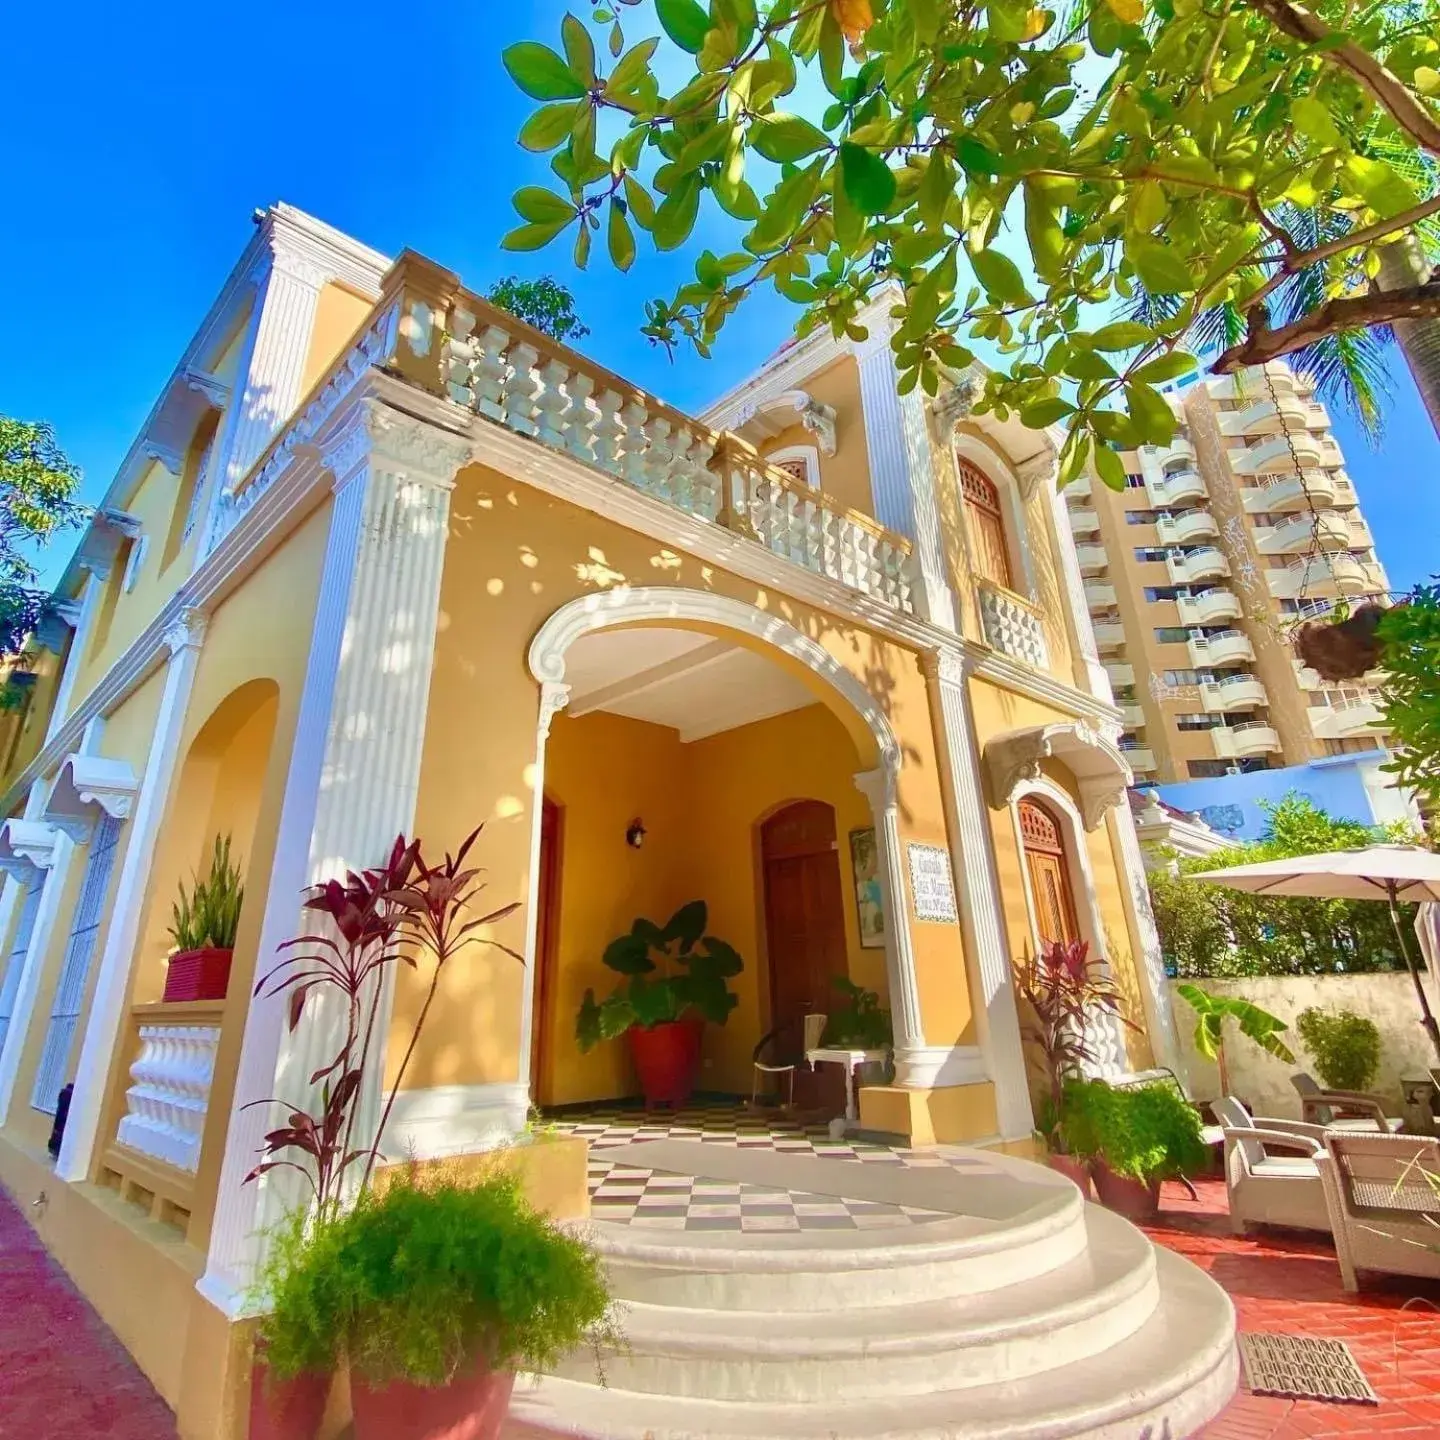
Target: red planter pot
(1073,1169)
(286,1409)
(1134,1199)
(198,975)
(472,1406)
(667,1060)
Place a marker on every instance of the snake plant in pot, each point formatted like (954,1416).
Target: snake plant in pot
(674,981)
(203,925)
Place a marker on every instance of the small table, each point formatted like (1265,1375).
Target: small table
(831,1055)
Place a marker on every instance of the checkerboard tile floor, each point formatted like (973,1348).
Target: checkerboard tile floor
(661,1201)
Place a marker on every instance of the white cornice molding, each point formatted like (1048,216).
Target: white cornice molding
(1101,774)
(86,786)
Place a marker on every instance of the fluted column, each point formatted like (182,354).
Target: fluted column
(902,472)
(354,771)
(107,1010)
(982,915)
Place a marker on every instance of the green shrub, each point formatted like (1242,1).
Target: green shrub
(419,1281)
(1145,1132)
(859,1022)
(1345,1047)
(210,914)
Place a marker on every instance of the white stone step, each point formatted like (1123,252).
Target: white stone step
(1092,1302)
(1166,1380)
(829,1269)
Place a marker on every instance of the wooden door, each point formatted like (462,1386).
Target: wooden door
(804,910)
(547,931)
(1049,871)
(987,525)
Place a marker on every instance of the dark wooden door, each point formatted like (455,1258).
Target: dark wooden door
(547,930)
(804,910)
(1049,870)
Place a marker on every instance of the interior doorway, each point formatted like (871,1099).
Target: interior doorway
(1048,868)
(551,821)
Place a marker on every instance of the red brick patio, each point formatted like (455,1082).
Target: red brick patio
(63,1375)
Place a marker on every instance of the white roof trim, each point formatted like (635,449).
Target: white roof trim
(86,786)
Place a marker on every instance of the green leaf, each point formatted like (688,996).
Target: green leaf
(579,49)
(1109,467)
(631,68)
(540,72)
(1312,118)
(684,22)
(1122,335)
(868,182)
(1161,270)
(1151,413)
(1001,277)
(621,237)
(1045,412)
(785,138)
(1378,185)
(687,925)
(542,206)
(629,955)
(550,126)
(532,237)
(1043,230)
(675,218)
(1165,367)
(642,207)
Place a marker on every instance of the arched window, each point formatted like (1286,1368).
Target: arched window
(985,521)
(1049,871)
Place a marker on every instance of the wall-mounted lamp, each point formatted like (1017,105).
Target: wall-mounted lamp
(635,835)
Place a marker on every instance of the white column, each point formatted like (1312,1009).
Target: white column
(982,915)
(354,771)
(902,471)
(107,1009)
(55,864)
(1150,971)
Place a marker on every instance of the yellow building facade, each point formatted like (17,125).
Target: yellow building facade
(385,560)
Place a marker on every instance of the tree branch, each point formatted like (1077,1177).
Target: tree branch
(1357,312)
(1304,25)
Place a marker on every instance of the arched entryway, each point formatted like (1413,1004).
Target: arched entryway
(1048,867)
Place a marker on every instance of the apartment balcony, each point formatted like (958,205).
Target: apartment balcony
(1268,457)
(1359,715)
(1215,652)
(1266,416)
(1233,692)
(1179,454)
(1187,528)
(1100,596)
(1194,567)
(1120,672)
(1325,529)
(1257,380)
(1326,576)
(1012,625)
(1290,492)
(1330,454)
(1132,715)
(1242,742)
(1109,634)
(1084,520)
(1140,758)
(1214,607)
(1361,536)
(1079,486)
(1093,559)
(1179,487)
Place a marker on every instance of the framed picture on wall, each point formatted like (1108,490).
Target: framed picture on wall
(869,902)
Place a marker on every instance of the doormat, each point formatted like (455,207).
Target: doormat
(1296,1367)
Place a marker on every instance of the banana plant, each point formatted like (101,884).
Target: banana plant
(1255,1024)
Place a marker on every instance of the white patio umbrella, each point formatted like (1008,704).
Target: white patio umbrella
(1392,873)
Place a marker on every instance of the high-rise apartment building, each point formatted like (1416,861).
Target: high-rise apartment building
(1196,572)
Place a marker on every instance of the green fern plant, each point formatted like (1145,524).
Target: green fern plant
(208,917)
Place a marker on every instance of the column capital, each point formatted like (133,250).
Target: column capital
(377,433)
(947,665)
(299,268)
(187,630)
(957,403)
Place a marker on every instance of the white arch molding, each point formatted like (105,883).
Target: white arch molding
(914,1063)
(1111,1059)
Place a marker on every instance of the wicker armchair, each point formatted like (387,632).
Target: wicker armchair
(1270,1188)
(1383,1197)
(1351,1110)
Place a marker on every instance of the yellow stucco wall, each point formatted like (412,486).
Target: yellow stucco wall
(845,475)
(515,556)
(338,314)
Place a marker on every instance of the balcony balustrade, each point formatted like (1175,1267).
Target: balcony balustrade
(1012,625)
(1242,742)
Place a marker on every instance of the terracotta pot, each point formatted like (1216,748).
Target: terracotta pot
(667,1060)
(472,1406)
(1074,1169)
(1134,1199)
(197,975)
(286,1409)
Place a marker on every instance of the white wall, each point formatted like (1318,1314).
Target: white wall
(1262,1081)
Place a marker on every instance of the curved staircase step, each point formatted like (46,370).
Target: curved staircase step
(1173,1374)
(1094,1301)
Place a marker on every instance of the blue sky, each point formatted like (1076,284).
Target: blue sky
(133,168)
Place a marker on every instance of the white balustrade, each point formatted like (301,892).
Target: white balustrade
(1012,627)
(166,1103)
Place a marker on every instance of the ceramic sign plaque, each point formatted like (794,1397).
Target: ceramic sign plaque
(931,883)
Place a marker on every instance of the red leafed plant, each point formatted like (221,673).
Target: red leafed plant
(400,912)
(1064,987)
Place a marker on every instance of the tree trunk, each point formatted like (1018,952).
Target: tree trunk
(1403,264)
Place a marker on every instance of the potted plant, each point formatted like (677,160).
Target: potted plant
(859,1022)
(203,925)
(1064,988)
(1346,1047)
(662,1015)
(462,1335)
(1212,1011)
